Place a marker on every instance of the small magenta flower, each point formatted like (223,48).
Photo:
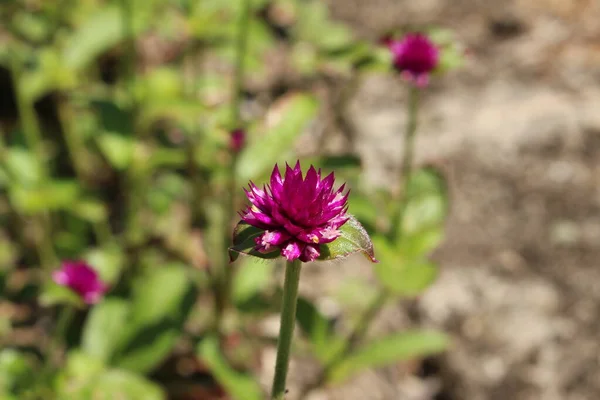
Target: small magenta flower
(415,56)
(82,279)
(297,214)
(237,140)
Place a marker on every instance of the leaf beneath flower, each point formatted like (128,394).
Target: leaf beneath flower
(354,239)
(243,243)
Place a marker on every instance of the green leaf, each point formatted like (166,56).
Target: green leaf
(117,383)
(401,274)
(238,385)
(159,293)
(315,325)
(164,157)
(16,372)
(404,267)
(49,196)
(364,209)
(243,243)
(54,294)
(354,239)
(292,115)
(427,202)
(85,377)
(98,34)
(107,261)
(251,279)
(181,112)
(148,348)
(114,118)
(389,350)
(315,27)
(337,162)
(90,210)
(48,75)
(452,54)
(117,149)
(103,327)
(162,299)
(22,166)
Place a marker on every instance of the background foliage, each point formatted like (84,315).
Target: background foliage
(115,119)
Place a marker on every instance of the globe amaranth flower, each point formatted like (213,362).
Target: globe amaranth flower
(297,214)
(82,279)
(415,56)
(237,140)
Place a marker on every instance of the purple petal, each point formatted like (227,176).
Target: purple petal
(82,279)
(310,253)
(292,250)
(267,240)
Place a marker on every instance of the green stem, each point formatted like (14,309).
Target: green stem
(407,162)
(65,317)
(286,330)
(127,27)
(134,176)
(78,153)
(27,116)
(75,148)
(48,256)
(395,236)
(241,48)
(228,271)
(32,133)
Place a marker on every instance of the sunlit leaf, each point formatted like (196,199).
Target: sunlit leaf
(90,210)
(290,117)
(54,195)
(316,326)
(117,149)
(103,328)
(16,372)
(251,278)
(400,273)
(238,385)
(354,239)
(389,350)
(22,166)
(53,294)
(162,298)
(108,261)
(85,377)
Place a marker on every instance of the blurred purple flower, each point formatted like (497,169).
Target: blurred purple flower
(82,279)
(297,215)
(237,140)
(415,56)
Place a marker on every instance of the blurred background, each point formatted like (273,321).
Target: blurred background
(114,125)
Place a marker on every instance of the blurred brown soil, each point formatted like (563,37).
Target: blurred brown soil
(517,132)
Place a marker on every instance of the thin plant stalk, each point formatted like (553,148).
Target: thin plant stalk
(240,49)
(286,329)
(58,341)
(407,163)
(27,116)
(224,289)
(32,133)
(78,153)
(133,176)
(395,235)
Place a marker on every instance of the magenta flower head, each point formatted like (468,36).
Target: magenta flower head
(237,140)
(415,56)
(298,217)
(82,279)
